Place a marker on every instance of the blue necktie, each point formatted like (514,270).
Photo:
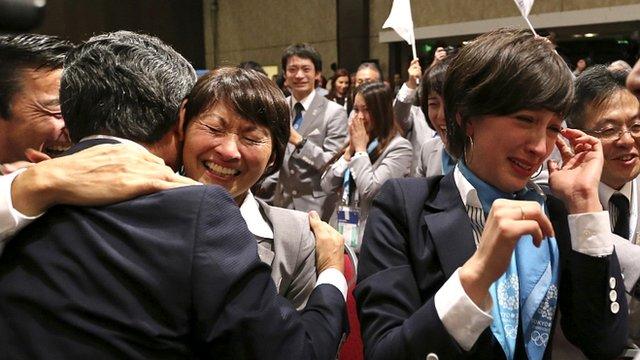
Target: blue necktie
(298,108)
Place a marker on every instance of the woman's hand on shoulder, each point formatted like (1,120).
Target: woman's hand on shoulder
(576,181)
(507,221)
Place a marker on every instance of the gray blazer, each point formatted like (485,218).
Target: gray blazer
(430,160)
(291,253)
(394,162)
(324,125)
(416,129)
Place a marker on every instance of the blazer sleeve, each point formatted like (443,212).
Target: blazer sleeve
(402,113)
(423,162)
(332,179)
(336,132)
(397,321)
(395,164)
(589,318)
(237,313)
(304,278)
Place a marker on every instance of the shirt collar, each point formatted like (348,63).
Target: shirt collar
(120,140)
(467,192)
(605,192)
(250,210)
(306,102)
(470,197)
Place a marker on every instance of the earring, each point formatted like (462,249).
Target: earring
(468,150)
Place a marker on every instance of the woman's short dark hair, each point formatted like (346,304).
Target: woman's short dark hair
(433,80)
(499,73)
(250,94)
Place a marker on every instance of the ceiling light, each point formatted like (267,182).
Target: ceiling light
(590,35)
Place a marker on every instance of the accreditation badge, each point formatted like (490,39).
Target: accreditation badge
(348,219)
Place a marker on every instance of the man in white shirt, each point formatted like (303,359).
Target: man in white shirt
(318,132)
(605,108)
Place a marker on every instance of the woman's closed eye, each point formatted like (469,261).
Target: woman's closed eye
(213,129)
(254,139)
(525,119)
(555,128)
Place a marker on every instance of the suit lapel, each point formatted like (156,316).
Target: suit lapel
(267,255)
(309,120)
(448,224)
(386,150)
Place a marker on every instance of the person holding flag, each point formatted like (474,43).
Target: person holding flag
(477,263)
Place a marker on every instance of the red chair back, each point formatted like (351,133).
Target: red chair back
(352,348)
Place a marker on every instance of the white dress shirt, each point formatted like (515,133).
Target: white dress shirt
(465,320)
(306,102)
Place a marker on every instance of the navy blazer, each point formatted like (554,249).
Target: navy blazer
(418,234)
(170,275)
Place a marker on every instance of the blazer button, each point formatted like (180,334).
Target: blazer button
(612,282)
(613,295)
(295,192)
(432,356)
(615,307)
(292,171)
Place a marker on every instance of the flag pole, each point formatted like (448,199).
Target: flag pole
(526,18)
(413,46)
(415,53)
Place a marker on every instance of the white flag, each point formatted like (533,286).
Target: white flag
(524,6)
(400,20)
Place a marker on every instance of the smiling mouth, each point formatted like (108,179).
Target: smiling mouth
(524,166)
(626,159)
(220,171)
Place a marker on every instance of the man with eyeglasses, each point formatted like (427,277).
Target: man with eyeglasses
(605,108)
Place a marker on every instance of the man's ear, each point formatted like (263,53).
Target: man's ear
(181,121)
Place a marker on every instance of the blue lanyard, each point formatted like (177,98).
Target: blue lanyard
(346,185)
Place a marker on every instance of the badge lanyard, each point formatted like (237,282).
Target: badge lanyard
(349,216)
